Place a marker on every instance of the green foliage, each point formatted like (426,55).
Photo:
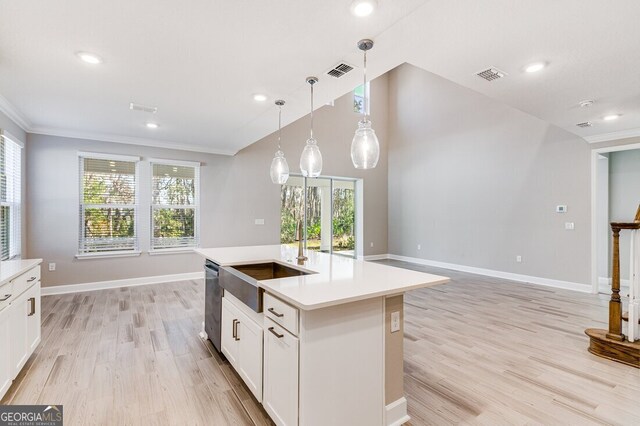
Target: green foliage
(343,217)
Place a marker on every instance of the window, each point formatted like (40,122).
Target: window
(10,197)
(175,193)
(108,204)
(326,207)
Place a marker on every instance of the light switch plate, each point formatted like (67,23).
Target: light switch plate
(259,222)
(395,321)
(561,209)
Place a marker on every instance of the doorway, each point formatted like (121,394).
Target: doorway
(329,209)
(615,197)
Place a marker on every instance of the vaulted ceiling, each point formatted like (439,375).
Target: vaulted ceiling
(201,62)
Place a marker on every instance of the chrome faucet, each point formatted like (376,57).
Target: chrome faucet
(301,257)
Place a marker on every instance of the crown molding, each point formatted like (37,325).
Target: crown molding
(612,136)
(17,117)
(12,112)
(129,140)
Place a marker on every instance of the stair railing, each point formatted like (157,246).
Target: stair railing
(615,304)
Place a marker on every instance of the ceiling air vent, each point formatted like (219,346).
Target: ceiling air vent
(491,74)
(139,107)
(585,124)
(339,70)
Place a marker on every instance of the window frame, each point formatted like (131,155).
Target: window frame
(15,208)
(196,206)
(136,251)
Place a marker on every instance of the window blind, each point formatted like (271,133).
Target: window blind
(108,204)
(174,205)
(10,198)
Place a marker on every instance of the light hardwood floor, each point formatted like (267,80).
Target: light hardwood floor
(477,351)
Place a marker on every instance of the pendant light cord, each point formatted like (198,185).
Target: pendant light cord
(364,89)
(279,125)
(312,83)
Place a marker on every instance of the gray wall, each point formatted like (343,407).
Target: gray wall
(476,182)
(9,125)
(234,192)
(624,197)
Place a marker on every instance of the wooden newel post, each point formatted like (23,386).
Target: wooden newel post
(615,306)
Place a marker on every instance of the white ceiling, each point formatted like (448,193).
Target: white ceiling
(200,62)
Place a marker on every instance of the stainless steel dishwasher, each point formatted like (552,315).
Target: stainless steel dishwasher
(213,303)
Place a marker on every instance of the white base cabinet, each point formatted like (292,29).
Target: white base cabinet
(280,374)
(19,321)
(6,370)
(242,341)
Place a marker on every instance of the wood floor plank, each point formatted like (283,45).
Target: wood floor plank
(478,350)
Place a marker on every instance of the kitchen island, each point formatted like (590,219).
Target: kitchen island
(317,342)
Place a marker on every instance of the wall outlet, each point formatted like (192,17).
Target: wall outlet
(561,209)
(419,247)
(259,221)
(519,259)
(569,226)
(371,243)
(395,321)
(52,267)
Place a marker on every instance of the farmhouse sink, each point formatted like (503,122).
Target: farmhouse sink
(242,280)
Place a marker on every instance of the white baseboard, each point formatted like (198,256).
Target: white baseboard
(396,413)
(604,285)
(548,282)
(129,282)
(376,257)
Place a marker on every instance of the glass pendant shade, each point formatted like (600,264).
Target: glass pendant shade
(279,169)
(311,159)
(365,149)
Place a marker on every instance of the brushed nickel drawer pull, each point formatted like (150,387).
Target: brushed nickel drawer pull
(32,300)
(6,296)
(236,330)
(275,313)
(233,329)
(31,279)
(275,333)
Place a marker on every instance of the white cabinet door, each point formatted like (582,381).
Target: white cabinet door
(250,368)
(33,318)
(18,317)
(229,342)
(280,374)
(6,370)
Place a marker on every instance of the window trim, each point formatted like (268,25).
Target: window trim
(136,206)
(8,136)
(196,206)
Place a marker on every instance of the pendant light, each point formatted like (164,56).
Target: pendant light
(279,167)
(365,149)
(311,158)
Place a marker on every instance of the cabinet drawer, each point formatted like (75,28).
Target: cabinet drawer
(6,295)
(282,313)
(26,280)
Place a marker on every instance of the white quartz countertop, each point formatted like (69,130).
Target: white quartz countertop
(335,279)
(9,269)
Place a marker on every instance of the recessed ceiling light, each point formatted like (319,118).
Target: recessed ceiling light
(89,58)
(611,117)
(535,67)
(363,7)
(152,125)
(259,97)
